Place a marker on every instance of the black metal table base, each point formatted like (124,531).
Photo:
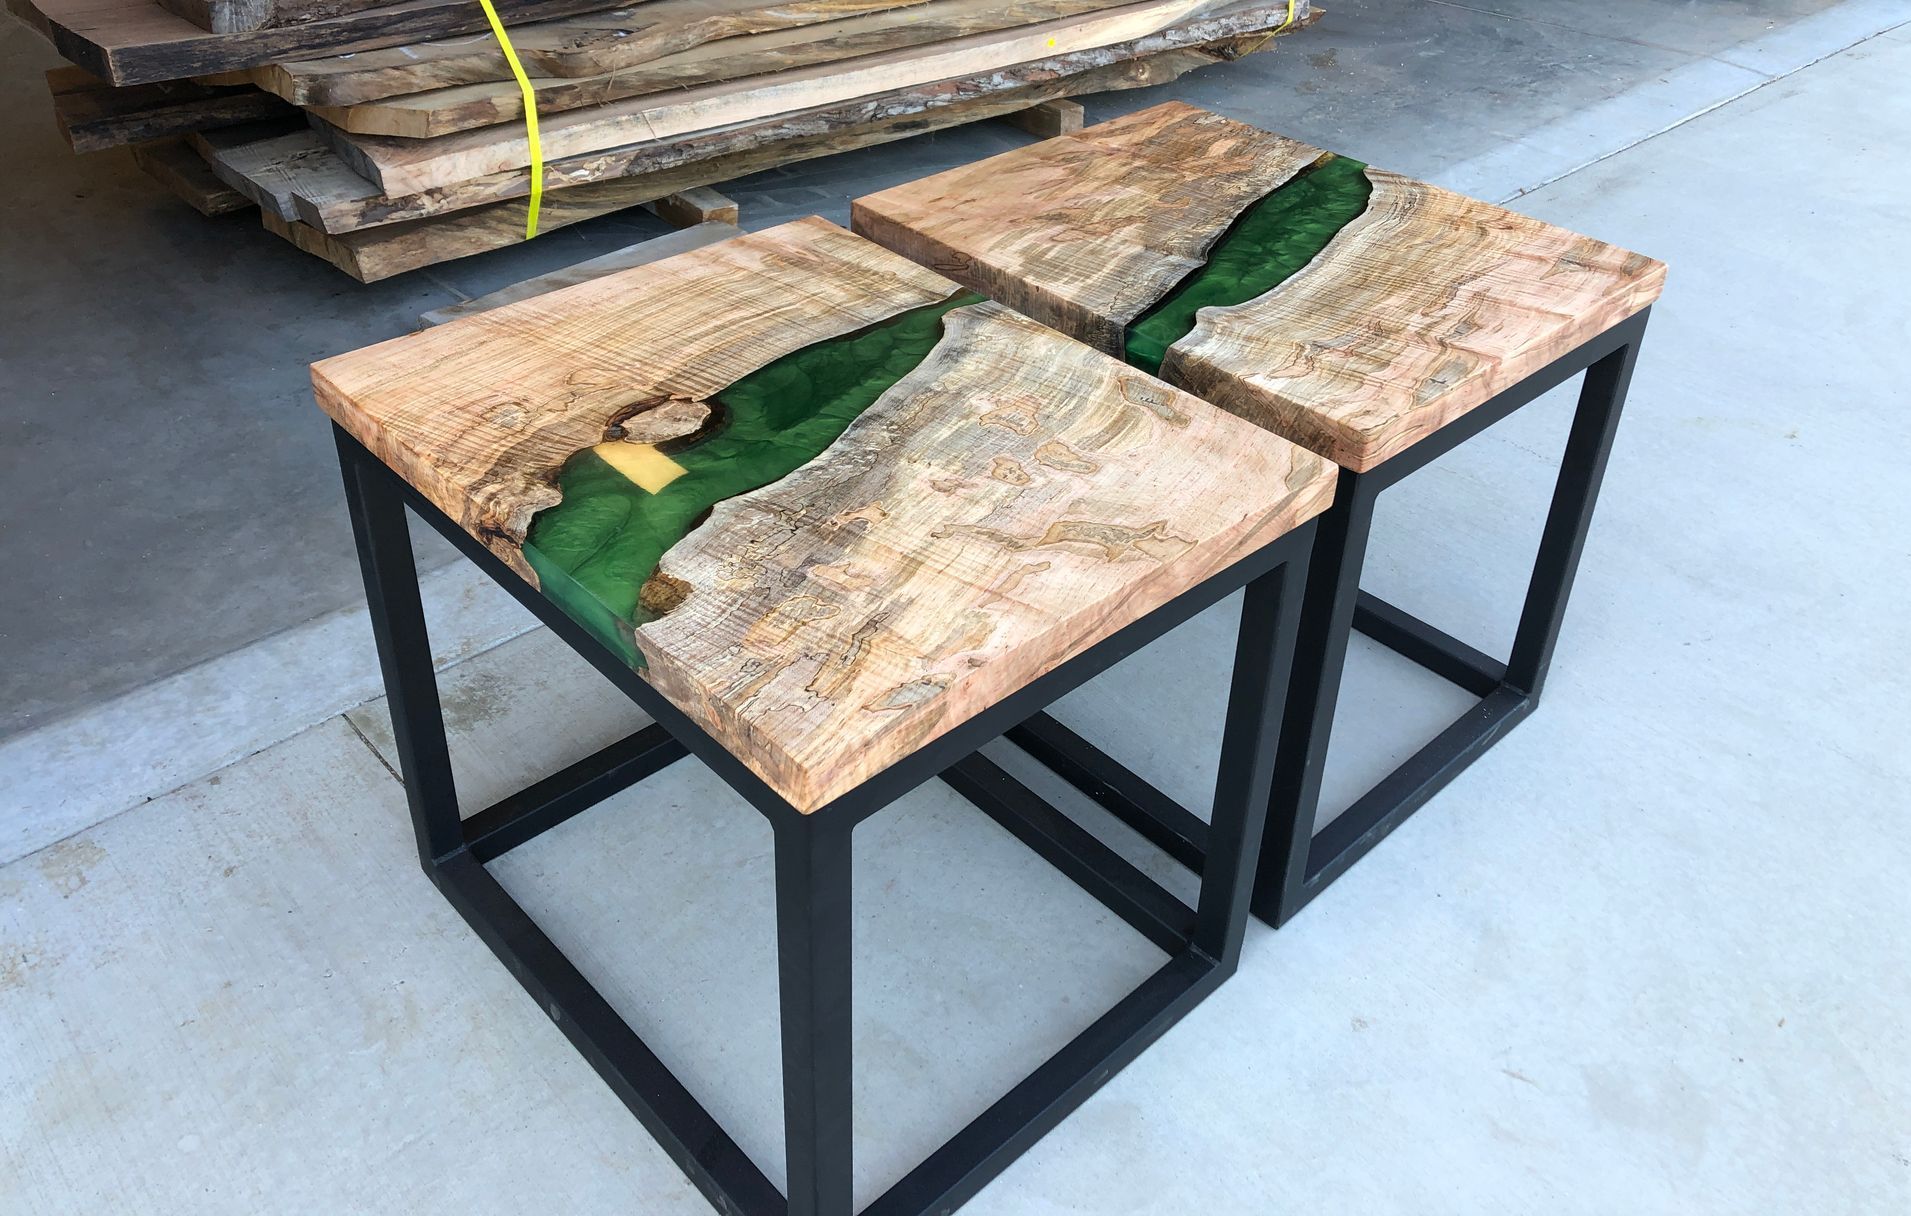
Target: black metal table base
(1297,863)
(813,871)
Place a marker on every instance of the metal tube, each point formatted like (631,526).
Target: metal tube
(1320,657)
(1601,398)
(813,967)
(404,650)
(1263,656)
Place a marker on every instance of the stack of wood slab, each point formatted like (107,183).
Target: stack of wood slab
(384,137)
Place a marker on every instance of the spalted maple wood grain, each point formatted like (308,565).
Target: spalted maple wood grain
(401,166)
(447,110)
(1015,499)
(1427,305)
(1086,230)
(1420,308)
(480,414)
(1010,501)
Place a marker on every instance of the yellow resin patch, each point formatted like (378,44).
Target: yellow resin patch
(641,462)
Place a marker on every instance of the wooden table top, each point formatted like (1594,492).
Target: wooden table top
(828,502)
(1350,309)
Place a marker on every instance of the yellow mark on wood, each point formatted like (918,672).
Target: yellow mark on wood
(529,95)
(641,462)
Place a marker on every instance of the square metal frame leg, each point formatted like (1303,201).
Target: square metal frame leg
(813,855)
(1297,863)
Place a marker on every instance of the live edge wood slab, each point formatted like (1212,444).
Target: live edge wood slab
(828,502)
(1352,310)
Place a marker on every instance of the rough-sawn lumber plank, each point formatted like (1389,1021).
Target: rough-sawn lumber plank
(332,198)
(238,16)
(406,166)
(590,44)
(175,165)
(384,250)
(465,107)
(94,115)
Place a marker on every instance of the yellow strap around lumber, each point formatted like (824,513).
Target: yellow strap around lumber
(530,114)
(1276,32)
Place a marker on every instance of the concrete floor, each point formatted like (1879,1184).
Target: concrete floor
(172,492)
(1647,957)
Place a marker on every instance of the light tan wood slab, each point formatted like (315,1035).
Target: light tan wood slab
(1421,307)
(381,251)
(405,166)
(1015,499)
(1007,503)
(394,245)
(1428,305)
(480,415)
(1086,231)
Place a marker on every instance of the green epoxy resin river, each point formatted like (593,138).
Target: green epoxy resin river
(594,551)
(1265,245)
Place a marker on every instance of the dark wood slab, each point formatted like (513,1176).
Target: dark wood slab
(94,115)
(589,44)
(175,165)
(137,42)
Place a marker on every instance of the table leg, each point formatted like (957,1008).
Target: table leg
(404,651)
(1601,398)
(813,964)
